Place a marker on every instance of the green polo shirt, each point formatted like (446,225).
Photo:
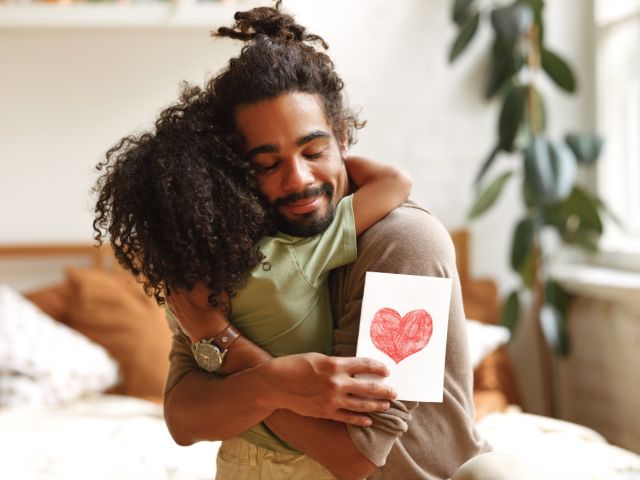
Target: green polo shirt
(284,306)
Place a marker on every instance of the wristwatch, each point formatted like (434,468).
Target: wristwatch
(210,352)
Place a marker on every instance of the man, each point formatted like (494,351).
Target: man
(284,99)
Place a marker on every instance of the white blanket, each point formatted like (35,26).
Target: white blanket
(558,450)
(105,437)
(109,437)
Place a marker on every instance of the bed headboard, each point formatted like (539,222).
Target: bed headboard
(98,256)
(480,295)
(32,266)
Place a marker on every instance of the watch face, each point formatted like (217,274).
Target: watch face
(208,357)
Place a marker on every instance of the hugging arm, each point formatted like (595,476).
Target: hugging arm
(381,188)
(305,399)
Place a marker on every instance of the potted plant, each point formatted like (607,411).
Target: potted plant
(548,168)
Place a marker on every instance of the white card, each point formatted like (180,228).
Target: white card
(403,323)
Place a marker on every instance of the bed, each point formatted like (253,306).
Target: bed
(85,353)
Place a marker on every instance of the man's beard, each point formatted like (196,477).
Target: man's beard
(310,223)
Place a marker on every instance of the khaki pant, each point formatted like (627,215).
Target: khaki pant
(241,460)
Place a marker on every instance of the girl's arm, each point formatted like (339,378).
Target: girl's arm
(198,320)
(381,188)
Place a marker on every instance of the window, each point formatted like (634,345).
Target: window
(617,26)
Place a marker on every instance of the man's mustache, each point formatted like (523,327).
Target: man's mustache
(324,189)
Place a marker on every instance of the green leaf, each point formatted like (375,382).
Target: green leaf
(564,345)
(527,271)
(536,5)
(528,196)
(586,240)
(600,205)
(565,169)
(512,22)
(505,63)
(553,328)
(585,146)
(550,170)
(557,296)
(557,216)
(499,72)
(489,195)
(485,166)
(511,312)
(558,70)
(580,203)
(465,36)
(523,241)
(577,219)
(511,116)
(460,12)
(534,120)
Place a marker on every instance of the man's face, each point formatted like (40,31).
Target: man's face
(302,173)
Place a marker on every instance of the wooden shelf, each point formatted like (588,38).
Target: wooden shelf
(179,14)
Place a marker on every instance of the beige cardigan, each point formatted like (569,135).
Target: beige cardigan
(410,441)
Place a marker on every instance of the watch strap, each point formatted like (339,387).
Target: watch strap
(226,337)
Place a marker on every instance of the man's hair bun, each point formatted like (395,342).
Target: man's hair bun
(269,22)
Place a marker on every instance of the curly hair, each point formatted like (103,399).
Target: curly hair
(180,205)
(279,58)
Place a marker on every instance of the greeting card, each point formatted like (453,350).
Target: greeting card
(403,323)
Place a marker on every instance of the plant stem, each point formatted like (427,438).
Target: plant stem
(533,62)
(538,300)
(537,303)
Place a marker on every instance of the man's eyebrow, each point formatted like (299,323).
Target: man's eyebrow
(266,148)
(312,136)
(270,148)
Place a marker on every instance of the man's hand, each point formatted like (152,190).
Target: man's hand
(314,385)
(196,317)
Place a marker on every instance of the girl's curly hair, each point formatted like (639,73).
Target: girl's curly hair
(179,205)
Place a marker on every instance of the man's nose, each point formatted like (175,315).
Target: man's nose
(297,175)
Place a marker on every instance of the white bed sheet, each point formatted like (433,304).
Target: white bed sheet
(558,450)
(103,437)
(109,437)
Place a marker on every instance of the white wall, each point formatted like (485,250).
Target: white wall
(66,95)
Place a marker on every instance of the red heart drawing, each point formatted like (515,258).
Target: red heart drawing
(401,337)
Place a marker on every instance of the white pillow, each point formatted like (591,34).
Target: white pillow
(484,339)
(44,362)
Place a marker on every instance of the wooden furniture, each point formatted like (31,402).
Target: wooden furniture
(495,384)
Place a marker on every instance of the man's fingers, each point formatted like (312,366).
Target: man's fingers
(346,416)
(371,389)
(356,366)
(366,405)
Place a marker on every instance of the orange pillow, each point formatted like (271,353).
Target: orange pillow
(113,310)
(52,300)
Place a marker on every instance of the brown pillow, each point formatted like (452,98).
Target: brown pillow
(53,300)
(112,309)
